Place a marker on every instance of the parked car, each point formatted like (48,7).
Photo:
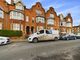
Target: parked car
(4,40)
(68,37)
(43,35)
(78,36)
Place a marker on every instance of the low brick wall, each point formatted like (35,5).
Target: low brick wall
(18,39)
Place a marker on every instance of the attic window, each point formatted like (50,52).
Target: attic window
(38,12)
(69,19)
(19,6)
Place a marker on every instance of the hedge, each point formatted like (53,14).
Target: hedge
(10,33)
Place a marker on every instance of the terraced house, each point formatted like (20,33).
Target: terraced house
(76,30)
(16,16)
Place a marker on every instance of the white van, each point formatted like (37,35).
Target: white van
(44,35)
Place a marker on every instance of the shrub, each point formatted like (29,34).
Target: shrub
(10,33)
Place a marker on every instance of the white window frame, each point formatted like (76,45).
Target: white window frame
(1,26)
(40,19)
(38,12)
(52,15)
(68,24)
(16,15)
(50,21)
(16,26)
(19,6)
(15,1)
(1,14)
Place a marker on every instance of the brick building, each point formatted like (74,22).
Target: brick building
(76,30)
(66,23)
(16,16)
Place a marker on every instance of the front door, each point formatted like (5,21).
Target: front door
(28,30)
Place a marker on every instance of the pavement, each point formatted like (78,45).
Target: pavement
(48,50)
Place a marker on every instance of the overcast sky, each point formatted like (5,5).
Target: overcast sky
(60,6)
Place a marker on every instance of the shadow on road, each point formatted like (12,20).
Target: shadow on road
(69,55)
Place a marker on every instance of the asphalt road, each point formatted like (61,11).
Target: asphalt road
(36,51)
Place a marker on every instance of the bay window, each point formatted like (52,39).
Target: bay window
(68,24)
(1,14)
(16,15)
(16,26)
(51,15)
(40,19)
(50,22)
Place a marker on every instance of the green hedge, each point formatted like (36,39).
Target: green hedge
(10,33)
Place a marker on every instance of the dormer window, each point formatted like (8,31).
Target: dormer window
(69,19)
(51,15)
(19,6)
(15,1)
(38,12)
(61,17)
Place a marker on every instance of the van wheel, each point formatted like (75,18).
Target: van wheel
(35,40)
(55,38)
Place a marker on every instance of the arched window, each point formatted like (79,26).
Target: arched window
(1,14)
(16,15)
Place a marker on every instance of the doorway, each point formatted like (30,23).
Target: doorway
(32,29)
(28,30)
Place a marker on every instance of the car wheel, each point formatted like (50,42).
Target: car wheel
(35,40)
(56,38)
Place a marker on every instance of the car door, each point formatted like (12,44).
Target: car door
(48,35)
(41,35)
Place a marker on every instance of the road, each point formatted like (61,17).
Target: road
(36,51)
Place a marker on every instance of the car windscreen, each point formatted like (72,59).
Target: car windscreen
(41,31)
(49,31)
(1,38)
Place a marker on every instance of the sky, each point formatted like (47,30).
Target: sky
(60,6)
